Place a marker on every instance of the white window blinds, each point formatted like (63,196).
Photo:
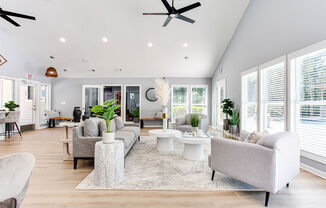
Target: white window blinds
(309,72)
(273,97)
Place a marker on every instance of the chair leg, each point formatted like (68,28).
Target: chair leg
(139,138)
(267,199)
(75,163)
(18,131)
(13,203)
(213,174)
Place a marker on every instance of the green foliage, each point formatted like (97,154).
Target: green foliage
(11,105)
(194,119)
(106,111)
(136,113)
(227,106)
(235,118)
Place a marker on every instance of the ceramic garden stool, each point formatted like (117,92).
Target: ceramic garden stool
(109,164)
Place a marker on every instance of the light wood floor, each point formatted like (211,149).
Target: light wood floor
(54,181)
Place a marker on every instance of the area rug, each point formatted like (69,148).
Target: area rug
(148,169)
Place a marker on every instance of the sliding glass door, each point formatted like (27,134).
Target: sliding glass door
(113,92)
(90,97)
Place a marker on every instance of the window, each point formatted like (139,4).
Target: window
(199,100)
(220,95)
(308,98)
(273,96)
(179,101)
(249,100)
(7,91)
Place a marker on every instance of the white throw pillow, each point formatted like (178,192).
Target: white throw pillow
(254,137)
(90,128)
(118,123)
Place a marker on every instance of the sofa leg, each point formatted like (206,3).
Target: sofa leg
(75,163)
(287,185)
(267,199)
(213,174)
(139,138)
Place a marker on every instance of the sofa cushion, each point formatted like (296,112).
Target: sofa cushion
(180,121)
(188,119)
(133,129)
(90,128)
(255,136)
(102,126)
(118,123)
(184,128)
(127,137)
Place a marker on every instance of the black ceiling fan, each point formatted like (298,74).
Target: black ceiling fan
(4,14)
(176,13)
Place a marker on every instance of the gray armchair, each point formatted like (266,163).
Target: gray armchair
(184,123)
(270,164)
(15,171)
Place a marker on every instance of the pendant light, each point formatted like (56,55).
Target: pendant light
(51,72)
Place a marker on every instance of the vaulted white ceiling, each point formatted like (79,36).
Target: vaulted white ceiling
(83,23)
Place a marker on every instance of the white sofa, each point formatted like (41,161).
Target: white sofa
(270,164)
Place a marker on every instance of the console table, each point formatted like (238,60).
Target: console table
(52,121)
(149,119)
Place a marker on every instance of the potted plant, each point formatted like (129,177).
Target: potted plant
(136,115)
(227,106)
(107,112)
(194,120)
(11,105)
(235,120)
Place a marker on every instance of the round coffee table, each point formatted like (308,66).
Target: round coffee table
(193,146)
(164,141)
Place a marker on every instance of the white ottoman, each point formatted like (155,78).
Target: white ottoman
(109,164)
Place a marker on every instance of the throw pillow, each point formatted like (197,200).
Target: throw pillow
(90,128)
(255,136)
(118,123)
(102,127)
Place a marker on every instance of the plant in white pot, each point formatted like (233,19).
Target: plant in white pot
(162,91)
(107,112)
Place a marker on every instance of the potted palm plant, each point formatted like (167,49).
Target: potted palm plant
(136,115)
(107,112)
(235,120)
(227,106)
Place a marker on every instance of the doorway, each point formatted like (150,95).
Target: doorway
(132,102)
(27,105)
(113,92)
(220,96)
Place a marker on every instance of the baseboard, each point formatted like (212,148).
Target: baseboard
(313,170)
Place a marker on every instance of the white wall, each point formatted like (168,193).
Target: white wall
(268,30)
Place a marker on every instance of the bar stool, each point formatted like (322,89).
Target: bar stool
(10,122)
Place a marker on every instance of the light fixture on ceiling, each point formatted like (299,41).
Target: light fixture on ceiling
(118,70)
(65,70)
(186,58)
(51,72)
(62,40)
(150,44)
(105,39)
(92,70)
(185,45)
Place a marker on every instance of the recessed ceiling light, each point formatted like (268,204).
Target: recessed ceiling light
(185,45)
(65,70)
(62,40)
(105,39)
(118,70)
(150,44)
(92,70)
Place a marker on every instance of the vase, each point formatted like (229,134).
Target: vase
(226,123)
(77,114)
(233,129)
(108,138)
(165,118)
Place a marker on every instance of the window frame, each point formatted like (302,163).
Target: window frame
(219,83)
(172,104)
(190,97)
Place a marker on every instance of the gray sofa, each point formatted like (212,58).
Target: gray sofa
(84,145)
(184,123)
(270,164)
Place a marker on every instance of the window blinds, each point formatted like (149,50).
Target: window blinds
(273,97)
(310,104)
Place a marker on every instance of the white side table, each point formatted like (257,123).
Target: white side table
(109,164)
(164,142)
(193,146)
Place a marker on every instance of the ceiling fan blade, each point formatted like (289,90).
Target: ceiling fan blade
(167,21)
(2,12)
(10,20)
(155,13)
(184,18)
(187,8)
(167,6)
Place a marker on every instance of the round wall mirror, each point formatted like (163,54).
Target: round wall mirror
(150,95)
